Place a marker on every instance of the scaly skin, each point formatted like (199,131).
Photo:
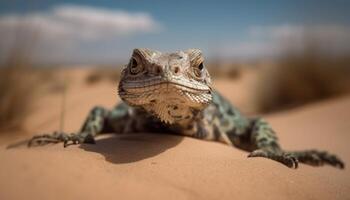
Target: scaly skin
(171,92)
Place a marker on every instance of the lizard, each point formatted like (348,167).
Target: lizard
(173,93)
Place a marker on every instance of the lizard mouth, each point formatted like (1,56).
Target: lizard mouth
(159,84)
(157,91)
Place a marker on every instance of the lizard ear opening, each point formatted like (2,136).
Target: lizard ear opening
(195,56)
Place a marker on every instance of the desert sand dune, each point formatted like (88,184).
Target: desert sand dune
(151,166)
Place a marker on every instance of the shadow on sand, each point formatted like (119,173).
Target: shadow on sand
(131,148)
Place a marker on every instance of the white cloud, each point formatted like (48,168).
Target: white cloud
(71,32)
(80,22)
(266,41)
(300,31)
(332,38)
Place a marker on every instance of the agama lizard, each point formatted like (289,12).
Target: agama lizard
(172,92)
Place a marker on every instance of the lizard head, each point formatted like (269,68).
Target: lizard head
(172,86)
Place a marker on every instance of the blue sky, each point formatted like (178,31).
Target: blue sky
(233,29)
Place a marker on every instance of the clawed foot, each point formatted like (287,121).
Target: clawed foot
(56,137)
(287,159)
(319,158)
(291,159)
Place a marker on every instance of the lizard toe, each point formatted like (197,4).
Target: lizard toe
(285,158)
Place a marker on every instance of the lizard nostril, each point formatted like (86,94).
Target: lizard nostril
(176,70)
(159,69)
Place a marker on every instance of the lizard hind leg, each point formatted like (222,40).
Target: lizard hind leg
(265,144)
(94,124)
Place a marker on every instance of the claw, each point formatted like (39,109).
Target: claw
(296,162)
(290,161)
(65,143)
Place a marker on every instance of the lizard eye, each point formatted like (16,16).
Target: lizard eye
(200,66)
(135,67)
(198,71)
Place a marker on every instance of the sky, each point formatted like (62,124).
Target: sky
(100,31)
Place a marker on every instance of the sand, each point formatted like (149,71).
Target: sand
(151,166)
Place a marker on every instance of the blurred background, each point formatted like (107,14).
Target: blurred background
(265,56)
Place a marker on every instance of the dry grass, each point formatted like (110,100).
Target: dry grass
(18,88)
(16,92)
(298,79)
(101,74)
(229,71)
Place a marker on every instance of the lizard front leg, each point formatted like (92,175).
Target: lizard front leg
(99,120)
(94,124)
